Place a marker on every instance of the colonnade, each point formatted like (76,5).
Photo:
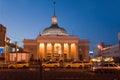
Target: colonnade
(61,49)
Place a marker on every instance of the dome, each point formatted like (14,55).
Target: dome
(54,30)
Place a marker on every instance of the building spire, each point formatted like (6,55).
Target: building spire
(54,18)
(54,7)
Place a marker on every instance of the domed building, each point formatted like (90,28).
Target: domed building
(54,43)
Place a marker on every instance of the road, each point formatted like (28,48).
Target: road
(55,74)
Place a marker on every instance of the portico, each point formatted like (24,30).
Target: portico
(55,46)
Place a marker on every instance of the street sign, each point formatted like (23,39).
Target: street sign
(1,49)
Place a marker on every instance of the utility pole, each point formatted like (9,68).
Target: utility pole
(16,51)
(5,55)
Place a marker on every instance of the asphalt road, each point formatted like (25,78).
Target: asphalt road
(55,74)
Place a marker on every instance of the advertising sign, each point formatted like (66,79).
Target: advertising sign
(1,49)
(91,53)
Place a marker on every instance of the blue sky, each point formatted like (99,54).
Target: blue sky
(96,20)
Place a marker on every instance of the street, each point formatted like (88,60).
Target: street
(55,74)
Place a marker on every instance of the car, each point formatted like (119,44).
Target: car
(51,64)
(18,65)
(3,65)
(106,67)
(74,64)
(87,64)
(78,64)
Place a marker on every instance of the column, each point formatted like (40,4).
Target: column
(38,56)
(69,51)
(76,56)
(62,51)
(45,48)
(52,51)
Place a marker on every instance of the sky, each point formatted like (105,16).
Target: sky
(95,20)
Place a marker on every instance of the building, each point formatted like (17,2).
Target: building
(2,42)
(19,56)
(56,44)
(5,44)
(2,35)
(107,53)
(112,51)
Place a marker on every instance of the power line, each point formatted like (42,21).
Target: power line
(15,37)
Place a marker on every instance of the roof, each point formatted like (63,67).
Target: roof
(54,30)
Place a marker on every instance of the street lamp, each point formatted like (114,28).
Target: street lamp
(100,54)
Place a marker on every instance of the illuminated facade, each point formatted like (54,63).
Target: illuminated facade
(112,51)
(20,56)
(56,44)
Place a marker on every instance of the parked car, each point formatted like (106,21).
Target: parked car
(106,67)
(87,64)
(18,65)
(3,65)
(77,64)
(52,64)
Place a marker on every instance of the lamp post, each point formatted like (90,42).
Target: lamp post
(100,54)
(16,51)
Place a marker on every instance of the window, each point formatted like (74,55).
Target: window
(106,65)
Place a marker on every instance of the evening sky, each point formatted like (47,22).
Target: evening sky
(95,20)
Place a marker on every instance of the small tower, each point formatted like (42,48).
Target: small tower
(54,18)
